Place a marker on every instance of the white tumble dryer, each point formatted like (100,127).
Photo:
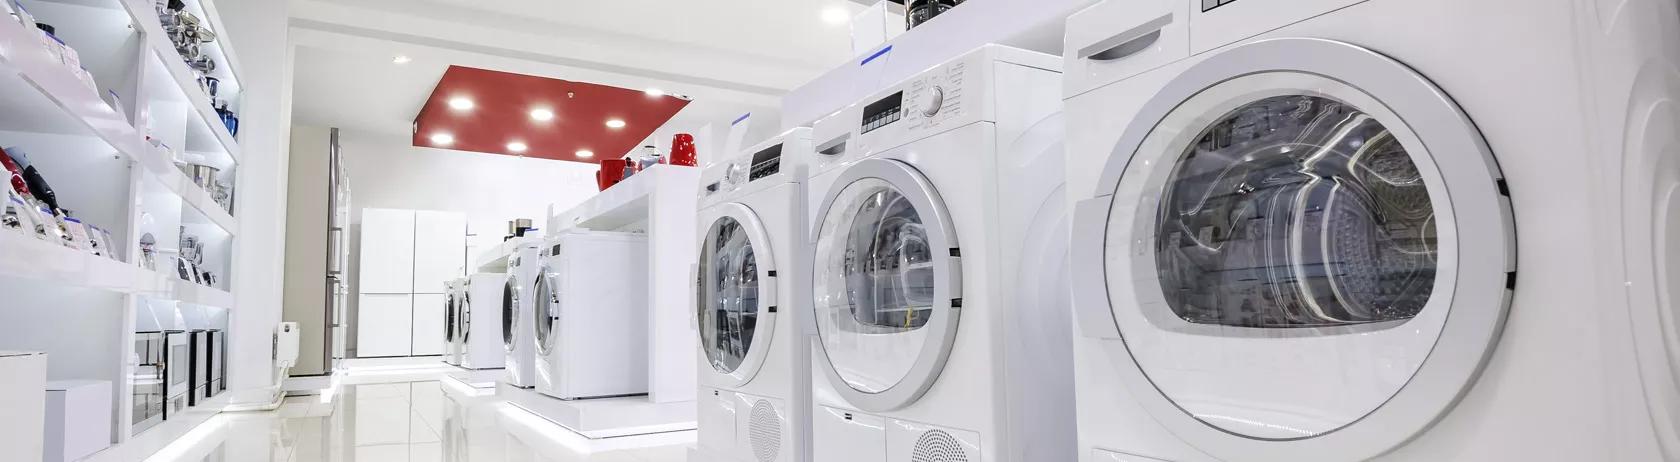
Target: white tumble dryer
(751,308)
(938,245)
(479,331)
(519,323)
(591,301)
(1298,227)
(454,290)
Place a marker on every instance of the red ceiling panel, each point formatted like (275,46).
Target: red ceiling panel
(501,114)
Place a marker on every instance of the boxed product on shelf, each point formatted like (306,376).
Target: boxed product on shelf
(19,216)
(52,225)
(99,241)
(77,233)
(55,47)
(86,78)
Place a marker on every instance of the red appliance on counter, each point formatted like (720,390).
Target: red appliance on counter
(682,151)
(612,172)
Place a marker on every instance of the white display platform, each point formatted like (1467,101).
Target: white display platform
(662,201)
(605,417)
(1036,25)
(477,378)
(494,259)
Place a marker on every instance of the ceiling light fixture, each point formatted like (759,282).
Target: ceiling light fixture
(542,115)
(615,123)
(461,103)
(443,139)
(836,15)
(401,59)
(585,153)
(517,147)
(655,92)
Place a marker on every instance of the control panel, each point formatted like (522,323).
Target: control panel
(924,102)
(883,112)
(1209,5)
(766,163)
(938,95)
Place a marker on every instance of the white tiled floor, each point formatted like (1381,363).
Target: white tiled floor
(413,421)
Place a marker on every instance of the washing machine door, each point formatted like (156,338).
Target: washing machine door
(547,308)
(449,318)
(510,312)
(887,284)
(1307,253)
(736,300)
(463,320)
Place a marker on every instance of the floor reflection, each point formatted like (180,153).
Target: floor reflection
(419,421)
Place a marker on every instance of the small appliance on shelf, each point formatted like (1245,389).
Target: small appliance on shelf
(919,12)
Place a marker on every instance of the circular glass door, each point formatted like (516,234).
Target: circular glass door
(464,320)
(736,299)
(1283,250)
(510,312)
(449,317)
(548,310)
(887,298)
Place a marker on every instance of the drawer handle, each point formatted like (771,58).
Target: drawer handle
(835,146)
(1128,43)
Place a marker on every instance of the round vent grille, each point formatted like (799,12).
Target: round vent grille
(938,446)
(765,431)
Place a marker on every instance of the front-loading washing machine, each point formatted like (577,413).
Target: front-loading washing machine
(591,302)
(519,323)
(752,308)
(937,244)
(453,291)
(1298,227)
(479,331)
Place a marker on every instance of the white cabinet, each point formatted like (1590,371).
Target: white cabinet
(440,250)
(23,396)
(78,419)
(387,251)
(428,324)
(407,256)
(384,324)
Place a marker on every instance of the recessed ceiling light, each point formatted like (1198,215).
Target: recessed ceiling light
(585,153)
(460,103)
(402,59)
(615,123)
(836,15)
(654,92)
(542,115)
(443,139)
(517,147)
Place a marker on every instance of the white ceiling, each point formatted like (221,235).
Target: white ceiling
(731,56)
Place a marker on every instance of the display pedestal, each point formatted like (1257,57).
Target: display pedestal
(484,379)
(662,202)
(605,417)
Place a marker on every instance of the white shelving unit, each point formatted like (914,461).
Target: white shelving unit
(110,155)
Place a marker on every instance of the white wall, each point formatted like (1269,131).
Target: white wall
(490,189)
(385,171)
(258,33)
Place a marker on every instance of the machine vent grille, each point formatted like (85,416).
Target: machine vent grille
(765,431)
(938,446)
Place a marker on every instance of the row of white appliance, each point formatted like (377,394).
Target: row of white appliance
(568,319)
(1268,230)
